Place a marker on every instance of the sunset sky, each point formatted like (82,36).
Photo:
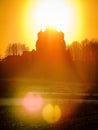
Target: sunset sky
(20,20)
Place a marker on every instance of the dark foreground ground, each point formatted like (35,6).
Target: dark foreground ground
(78,103)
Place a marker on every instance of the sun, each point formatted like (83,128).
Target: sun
(56,14)
(64,15)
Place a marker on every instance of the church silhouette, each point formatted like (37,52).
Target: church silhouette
(51,59)
(54,60)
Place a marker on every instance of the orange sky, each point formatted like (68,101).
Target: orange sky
(15,17)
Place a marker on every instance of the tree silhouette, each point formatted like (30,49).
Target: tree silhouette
(16,49)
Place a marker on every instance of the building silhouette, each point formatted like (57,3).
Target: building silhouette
(53,58)
(50,42)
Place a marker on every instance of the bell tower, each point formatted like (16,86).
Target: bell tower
(50,41)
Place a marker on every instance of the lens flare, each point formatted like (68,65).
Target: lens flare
(51,113)
(32,102)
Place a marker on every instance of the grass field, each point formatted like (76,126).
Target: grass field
(78,103)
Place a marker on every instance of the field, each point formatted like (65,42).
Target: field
(78,103)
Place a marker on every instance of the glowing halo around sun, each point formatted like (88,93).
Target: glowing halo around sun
(64,15)
(56,14)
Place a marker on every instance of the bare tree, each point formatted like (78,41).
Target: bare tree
(16,49)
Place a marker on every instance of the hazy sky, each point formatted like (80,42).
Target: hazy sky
(16,17)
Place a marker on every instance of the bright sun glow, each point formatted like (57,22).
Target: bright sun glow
(64,15)
(56,14)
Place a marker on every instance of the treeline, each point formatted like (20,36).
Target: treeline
(85,57)
(78,63)
(16,49)
(86,51)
